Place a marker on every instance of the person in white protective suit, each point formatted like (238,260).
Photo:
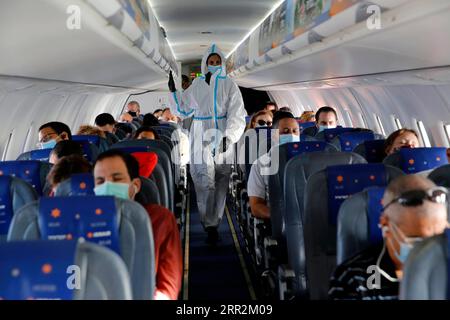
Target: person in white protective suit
(216,105)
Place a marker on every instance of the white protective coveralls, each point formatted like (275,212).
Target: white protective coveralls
(218,105)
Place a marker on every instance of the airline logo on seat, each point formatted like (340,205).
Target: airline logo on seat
(56,213)
(411,161)
(82,185)
(340,179)
(27,172)
(47,268)
(98,212)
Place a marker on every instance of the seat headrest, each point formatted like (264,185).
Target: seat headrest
(345,180)
(295,148)
(40,154)
(90,138)
(330,134)
(349,141)
(6,207)
(374,209)
(415,160)
(372,150)
(92,218)
(28,170)
(303,125)
(81,184)
(147,162)
(36,270)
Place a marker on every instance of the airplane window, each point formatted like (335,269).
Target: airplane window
(380,125)
(27,139)
(5,151)
(362,121)
(423,133)
(397,123)
(349,119)
(447,131)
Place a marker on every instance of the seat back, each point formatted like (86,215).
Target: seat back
(81,184)
(14,194)
(38,155)
(325,192)
(162,174)
(426,273)
(99,142)
(119,224)
(371,150)
(296,174)
(348,141)
(358,223)
(417,159)
(329,134)
(149,193)
(303,125)
(32,171)
(280,155)
(441,176)
(31,270)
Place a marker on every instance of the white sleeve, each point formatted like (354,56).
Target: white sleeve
(183,104)
(235,114)
(256,186)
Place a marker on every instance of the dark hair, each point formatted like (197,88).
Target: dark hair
(279,115)
(66,167)
(214,54)
(130,162)
(157,110)
(134,103)
(185,78)
(150,120)
(104,119)
(59,128)
(325,109)
(394,135)
(285,109)
(146,129)
(66,148)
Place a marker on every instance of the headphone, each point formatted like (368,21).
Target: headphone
(384,230)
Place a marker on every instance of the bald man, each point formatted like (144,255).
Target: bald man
(413,209)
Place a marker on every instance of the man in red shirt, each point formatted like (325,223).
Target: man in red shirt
(117,174)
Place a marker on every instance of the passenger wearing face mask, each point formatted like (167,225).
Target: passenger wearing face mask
(286,131)
(413,209)
(134,110)
(325,118)
(216,105)
(53,132)
(117,174)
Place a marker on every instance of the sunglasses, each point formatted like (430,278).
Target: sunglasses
(416,198)
(263,123)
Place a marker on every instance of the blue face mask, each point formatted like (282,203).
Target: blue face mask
(405,248)
(287,138)
(214,69)
(119,190)
(321,128)
(49,144)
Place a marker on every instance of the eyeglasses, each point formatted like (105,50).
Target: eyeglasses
(264,123)
(416,198)
(47,137)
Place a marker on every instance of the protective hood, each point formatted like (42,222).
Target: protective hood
(214,49)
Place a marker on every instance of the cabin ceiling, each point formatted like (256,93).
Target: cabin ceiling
(227,20)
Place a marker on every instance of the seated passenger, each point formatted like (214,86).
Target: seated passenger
(117,174)
(158,113)
(134,109)
(271,106)
(106,123)
(326,118)
(168,116)
(285,109)
(260,119)
(53,132)
(87,130)
(146,133)
(126,117)
(403,138)
(65,168)
(257,186)
(150,121)
(308,116)
(414,208)
(63,149)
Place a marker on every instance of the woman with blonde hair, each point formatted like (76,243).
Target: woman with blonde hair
(87,130)
(261,118)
